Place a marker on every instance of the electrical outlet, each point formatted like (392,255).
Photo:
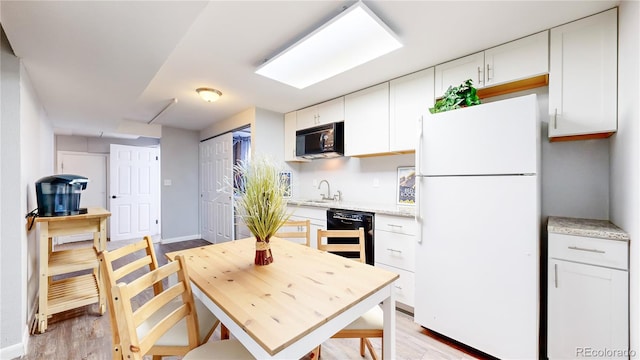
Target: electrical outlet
(376,182)
(167,182)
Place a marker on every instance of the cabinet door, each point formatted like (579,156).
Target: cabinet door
(331,111)
(409,97)
(290,127)
(587,310)
(457,71)
(582,76)
(517,60)
(307,117)
(366,121)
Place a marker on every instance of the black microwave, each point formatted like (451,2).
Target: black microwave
(321,142)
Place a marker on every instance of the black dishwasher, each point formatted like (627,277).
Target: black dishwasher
(338,219)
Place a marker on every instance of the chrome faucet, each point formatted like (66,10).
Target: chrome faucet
(328,196)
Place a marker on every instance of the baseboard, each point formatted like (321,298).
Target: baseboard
(180,238)
(16,350)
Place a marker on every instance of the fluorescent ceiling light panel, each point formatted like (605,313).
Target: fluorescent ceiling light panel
(354,37)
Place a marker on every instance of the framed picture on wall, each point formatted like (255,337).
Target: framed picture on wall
(285,178)
(406,191)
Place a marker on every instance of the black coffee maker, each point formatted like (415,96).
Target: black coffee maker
(59,195)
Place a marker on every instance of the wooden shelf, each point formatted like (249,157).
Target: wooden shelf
(72,292)
(581,137)
(514,86)
(66,261)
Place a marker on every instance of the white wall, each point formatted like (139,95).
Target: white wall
(36,152)
(625,153)
(27,155)
(13,297)
(180,200)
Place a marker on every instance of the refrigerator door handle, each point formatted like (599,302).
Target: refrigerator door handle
(418,214)
(418,179)
(419,145)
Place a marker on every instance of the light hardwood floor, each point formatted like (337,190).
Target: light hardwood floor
(84,334)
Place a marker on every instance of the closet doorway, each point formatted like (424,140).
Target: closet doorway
(217,158)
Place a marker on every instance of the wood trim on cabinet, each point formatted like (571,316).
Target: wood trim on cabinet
(514,86)
(581,137)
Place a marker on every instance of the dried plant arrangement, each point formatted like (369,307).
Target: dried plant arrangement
(261,203)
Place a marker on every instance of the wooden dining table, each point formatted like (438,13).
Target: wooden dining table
(287,308)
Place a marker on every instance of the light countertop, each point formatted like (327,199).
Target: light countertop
(602,229)
(395,210)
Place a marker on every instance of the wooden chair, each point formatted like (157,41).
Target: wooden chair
(303,232)
(136,342)
(175,342)
(369,325)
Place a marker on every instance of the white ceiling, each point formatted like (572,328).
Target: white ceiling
(94,64)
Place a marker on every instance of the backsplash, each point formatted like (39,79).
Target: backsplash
(370,180)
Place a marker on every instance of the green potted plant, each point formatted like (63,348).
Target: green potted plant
(457,97)
(260,203)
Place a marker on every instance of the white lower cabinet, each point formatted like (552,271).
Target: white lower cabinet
(394,248)
(317,217)
(588,293)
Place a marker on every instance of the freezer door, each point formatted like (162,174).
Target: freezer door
(496,138)
(477,266)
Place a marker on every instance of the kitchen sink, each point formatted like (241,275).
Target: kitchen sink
(314,201)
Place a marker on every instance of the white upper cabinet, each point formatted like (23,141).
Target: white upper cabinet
(320,114)
(290,127)
(583,76)
(453,73)
(517,60)
(513,61)
(366,121)
(409,97)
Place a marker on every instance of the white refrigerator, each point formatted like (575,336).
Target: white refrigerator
(478,213)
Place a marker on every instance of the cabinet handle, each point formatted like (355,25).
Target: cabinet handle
(395,250)
(395,226)
(479,80)
(398,287)
(555,275)
(488,78)
(585,249)
(555,119)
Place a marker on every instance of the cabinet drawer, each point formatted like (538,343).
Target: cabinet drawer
(405,285)
(394,249)
(610,253)
(396,224)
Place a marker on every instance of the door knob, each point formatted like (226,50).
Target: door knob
(113,196)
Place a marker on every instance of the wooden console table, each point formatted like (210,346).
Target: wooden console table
(60,295)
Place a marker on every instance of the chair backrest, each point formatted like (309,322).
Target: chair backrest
(302,231)
(135,346)
(343,248)
(120,263)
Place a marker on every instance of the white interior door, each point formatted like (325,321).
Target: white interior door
(135,191)
(223,208)
(94,168)
(216,174)
(207,191)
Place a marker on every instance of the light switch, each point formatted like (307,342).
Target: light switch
(167,182)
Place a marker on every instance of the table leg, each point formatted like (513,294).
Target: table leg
(389,338)
(43,285)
